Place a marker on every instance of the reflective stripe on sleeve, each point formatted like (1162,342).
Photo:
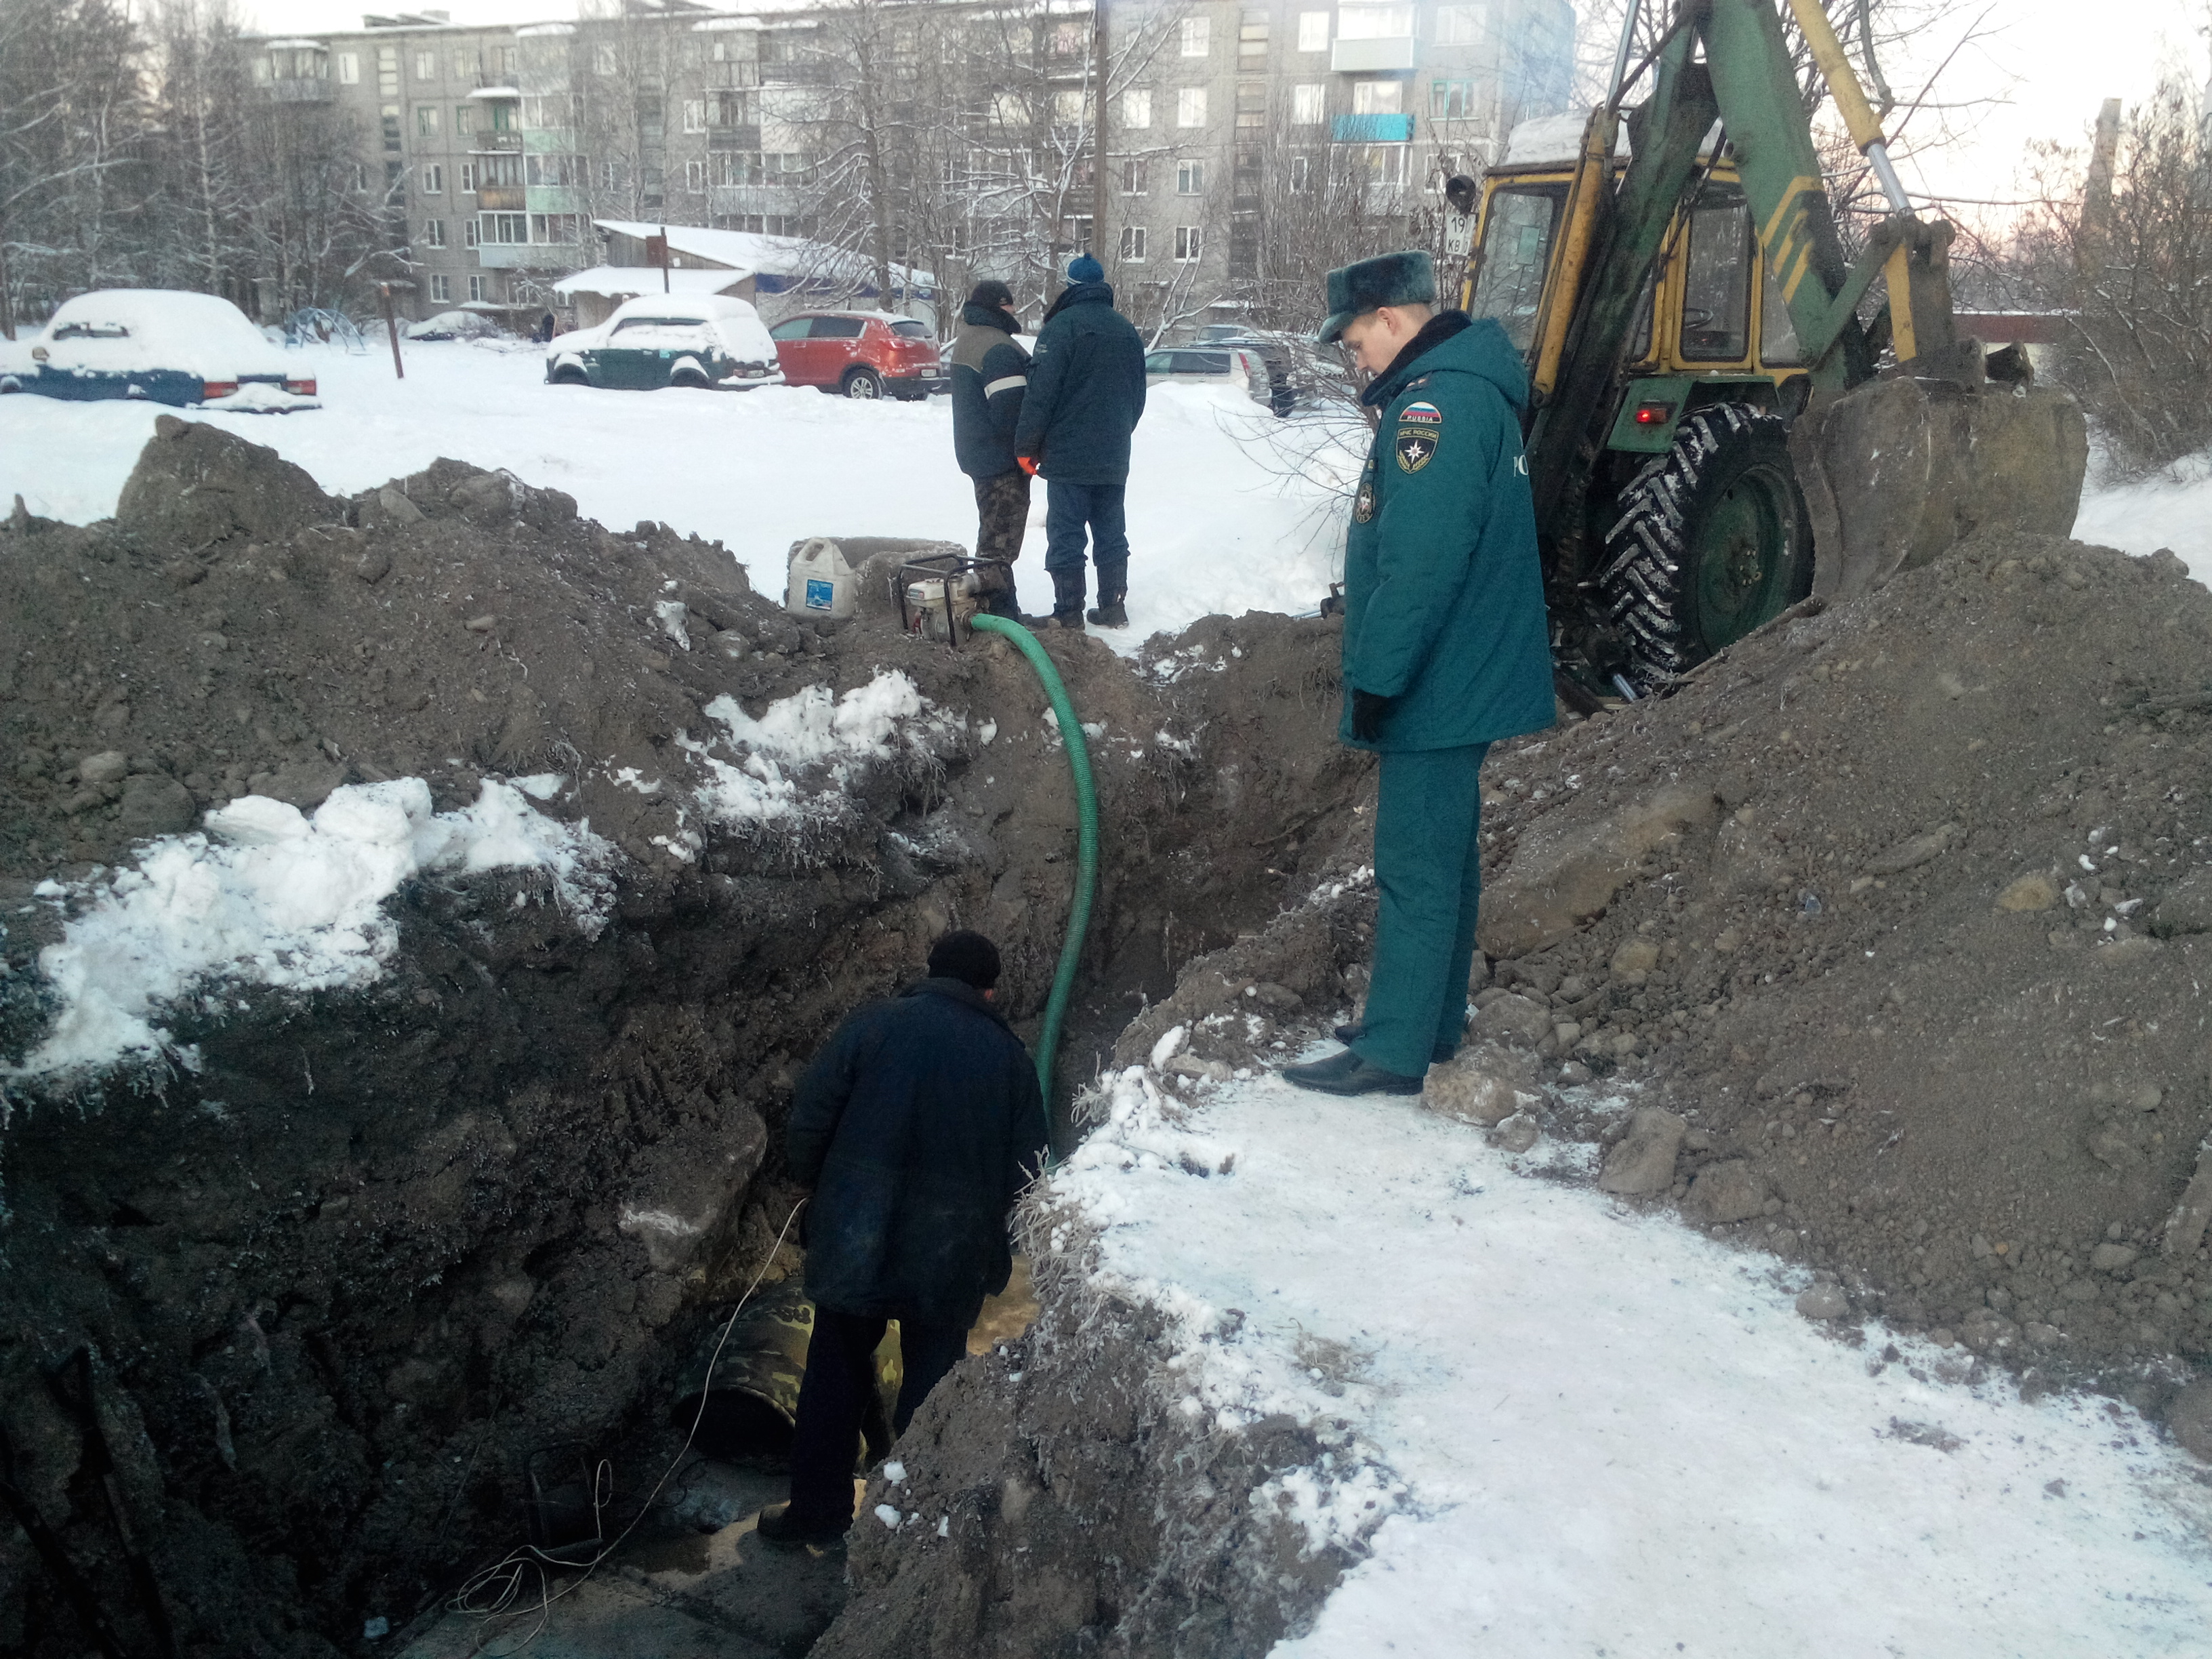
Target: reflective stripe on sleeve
(1006,383)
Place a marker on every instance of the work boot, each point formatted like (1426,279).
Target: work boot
(1353,1029)
(1067,600)
(1113,589)
(1346,1073)
(777,1525)
(1001,602)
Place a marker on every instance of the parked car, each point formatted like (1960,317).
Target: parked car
(1231,366)
(701,340)
(860,354)
(1272,351)
(165,347)
(453,325)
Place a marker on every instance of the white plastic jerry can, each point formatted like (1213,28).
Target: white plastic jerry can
(822,583)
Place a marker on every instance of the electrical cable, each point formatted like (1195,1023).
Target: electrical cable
(503,1579)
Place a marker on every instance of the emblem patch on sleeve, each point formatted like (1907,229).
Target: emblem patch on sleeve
(1415,445)
(1363,507)
(1422,412)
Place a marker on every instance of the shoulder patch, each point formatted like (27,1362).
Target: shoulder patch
(1414,446)
(1422,412)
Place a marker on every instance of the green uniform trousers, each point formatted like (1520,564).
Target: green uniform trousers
(1428,869)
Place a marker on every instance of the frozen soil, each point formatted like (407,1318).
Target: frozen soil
(349,1269)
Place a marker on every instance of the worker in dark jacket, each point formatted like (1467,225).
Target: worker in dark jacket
(1086,393)
(989,374)
(1446,646)
(916,1126)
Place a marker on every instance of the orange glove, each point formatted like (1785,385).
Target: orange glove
(1026,465)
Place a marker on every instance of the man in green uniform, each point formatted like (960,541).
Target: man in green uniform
(1446,647)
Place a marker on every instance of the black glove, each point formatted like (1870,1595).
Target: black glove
(1368,708)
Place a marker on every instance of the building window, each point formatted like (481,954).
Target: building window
(1301,172)
(387,71)
(349,69)
(695,176)
(1190,107)
(504,230)
(1451,100)
(695,115)
(1251,107)
(1195,35)
(460,66)
(553,171)
(1067,107)
(441,287)
(476,288)
(360,176)
(1252,34)
(433,232)
(603,60)
(1385,163)
(502,117)
(1455,25)
(426,120)
(1132,176)
(1377,97)
(469,238)
(388,121)
(1137,107)
(1186,243)
(468,177)
(1190,178)
(433,180)
(1313,31)
(426,66)
(1132,244)
(506,66)
(551,227)
(1375,23)
(1309,105)
(464,117)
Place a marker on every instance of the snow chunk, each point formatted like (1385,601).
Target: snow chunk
(810,731)
(269,896)
(671,612)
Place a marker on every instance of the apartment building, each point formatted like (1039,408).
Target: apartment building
(498,148)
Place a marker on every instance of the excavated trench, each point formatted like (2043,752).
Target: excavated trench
(349,1255)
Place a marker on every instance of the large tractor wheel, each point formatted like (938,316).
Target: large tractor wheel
(1712,541)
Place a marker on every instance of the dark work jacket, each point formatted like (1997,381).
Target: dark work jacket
(1086,390)
(989,375)
(916,1126)
(1443,598)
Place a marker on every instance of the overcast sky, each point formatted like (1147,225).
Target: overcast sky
(2039,70)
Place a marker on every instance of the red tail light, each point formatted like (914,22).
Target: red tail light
(1654,414)
(211,390)
(301,388)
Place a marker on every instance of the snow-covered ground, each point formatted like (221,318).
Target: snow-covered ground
(1589,1431)
(2172,508)
(1213,524)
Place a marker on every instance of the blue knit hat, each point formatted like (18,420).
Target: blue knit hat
(1085,269)
(1390,279)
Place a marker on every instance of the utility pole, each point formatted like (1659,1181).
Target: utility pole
(1101,185)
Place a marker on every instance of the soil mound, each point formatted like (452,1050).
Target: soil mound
(1900,904)
(351,1263)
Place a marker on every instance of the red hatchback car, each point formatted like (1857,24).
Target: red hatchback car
(860,354)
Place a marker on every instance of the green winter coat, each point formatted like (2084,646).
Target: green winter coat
(1444,600)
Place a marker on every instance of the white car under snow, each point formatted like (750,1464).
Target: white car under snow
(668,339)
(189,350)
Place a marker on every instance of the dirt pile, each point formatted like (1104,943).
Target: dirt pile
(1900,905)
(349,1260)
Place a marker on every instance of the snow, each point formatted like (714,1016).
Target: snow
(627,281)
(825,743)
(188,333)
(1562,1426)
(269,896)
(2170,509)
(1216,522)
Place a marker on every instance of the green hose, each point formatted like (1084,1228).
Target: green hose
(1087,846)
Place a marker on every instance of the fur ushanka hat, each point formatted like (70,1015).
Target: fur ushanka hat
(1388,279)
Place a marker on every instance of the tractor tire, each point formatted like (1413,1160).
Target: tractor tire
(1712,541)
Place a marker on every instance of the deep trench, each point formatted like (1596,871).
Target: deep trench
(343,1282)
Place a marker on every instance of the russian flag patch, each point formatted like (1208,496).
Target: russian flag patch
(1425,411)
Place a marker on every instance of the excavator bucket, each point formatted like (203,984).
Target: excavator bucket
(1898,471)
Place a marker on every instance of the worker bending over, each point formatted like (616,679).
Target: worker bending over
(1445,645)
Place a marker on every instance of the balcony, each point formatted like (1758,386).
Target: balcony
(1371,130)
(495,143)
(1372,57)
(500,199)
(298,90)
(733,138)
(506,256)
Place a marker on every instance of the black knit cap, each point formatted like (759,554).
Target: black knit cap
(994,294)
(965,956)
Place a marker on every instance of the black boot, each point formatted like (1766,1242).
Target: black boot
(1067,600)
(1113,588)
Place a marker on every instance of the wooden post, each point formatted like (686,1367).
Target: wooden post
(391,328)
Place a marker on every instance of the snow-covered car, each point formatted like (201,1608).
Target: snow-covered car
(451,325)
(1238,367)
(668,339)
(165,347)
